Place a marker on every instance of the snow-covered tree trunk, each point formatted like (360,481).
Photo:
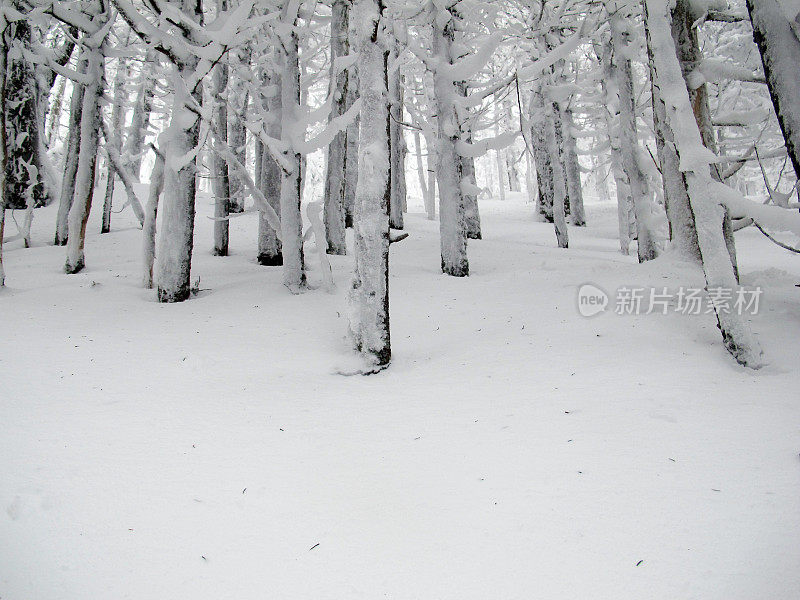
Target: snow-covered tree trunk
(472,215)
(778,40)
(572,168)
(559,179)
(427,199)
(3,143)
(176,235)
(70,161)
(694,167)
(499,154)
(238,103)
(626,222)
(151,215)
(294,277)
(369,294)
(452,208)
(676,198)
(140,117)
(684,18)
(397,145)
(334,212)
(117,122)
(87,159)
(629,141)
(221,177)
(269,244)
(541,156)
(54,117)
(351,158)
(24,171)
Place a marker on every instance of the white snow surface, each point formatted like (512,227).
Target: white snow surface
(513,450)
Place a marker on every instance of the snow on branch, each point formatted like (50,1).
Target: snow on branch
(481,147)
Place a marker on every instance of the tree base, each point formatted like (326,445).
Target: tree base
(70,269)
(219,252)
(269,260)
(336,251)
(172,296)
(456,270)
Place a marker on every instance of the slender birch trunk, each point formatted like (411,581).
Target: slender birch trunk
(572,168)
(117,119)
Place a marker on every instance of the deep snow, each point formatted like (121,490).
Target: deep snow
(514,449)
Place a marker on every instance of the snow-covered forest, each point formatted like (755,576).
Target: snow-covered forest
(399,298)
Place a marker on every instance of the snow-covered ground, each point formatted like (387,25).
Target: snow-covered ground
(514,449)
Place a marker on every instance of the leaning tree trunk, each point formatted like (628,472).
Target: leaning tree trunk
(336,168)
(369,294)
(294,277)
(779,45)
(695,177)
(24,168)
(453,238)
(87,159)
(684,33)
(629,142)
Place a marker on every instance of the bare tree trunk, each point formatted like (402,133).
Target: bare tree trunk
(334,210)
(369,294)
